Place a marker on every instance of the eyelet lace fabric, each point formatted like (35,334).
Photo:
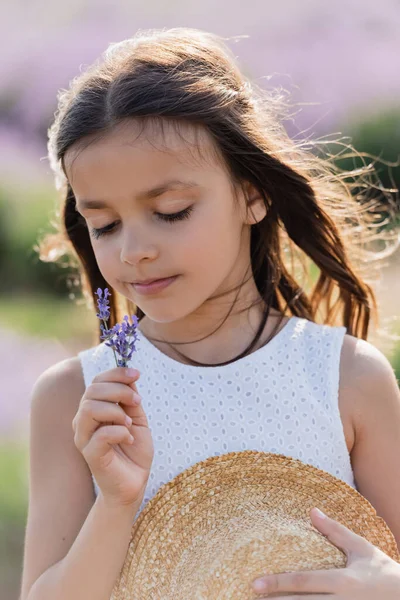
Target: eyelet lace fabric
(283,398)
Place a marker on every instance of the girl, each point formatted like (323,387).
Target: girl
(175,170)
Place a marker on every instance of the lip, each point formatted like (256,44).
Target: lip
(154,286)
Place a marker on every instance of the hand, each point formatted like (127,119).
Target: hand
(109,412)
(370,574)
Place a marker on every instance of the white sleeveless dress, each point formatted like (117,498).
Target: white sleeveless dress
(283,398)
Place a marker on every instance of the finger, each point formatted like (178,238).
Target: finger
(303,597)
(124,375)
(138,416)
(116,392)
(341,536)
(118,374)
(322,581)
(103,439)
(133,387)
(93,414)
(133,408)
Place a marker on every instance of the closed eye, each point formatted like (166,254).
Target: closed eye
(169,218)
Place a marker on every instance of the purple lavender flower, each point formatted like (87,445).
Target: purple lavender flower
(103,304)
(122,337)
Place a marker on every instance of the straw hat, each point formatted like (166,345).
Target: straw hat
(210,531)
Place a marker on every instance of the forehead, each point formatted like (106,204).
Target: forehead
(185,143)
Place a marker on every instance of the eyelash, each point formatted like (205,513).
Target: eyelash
(179,216)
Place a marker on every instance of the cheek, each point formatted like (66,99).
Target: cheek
(103,253)
(105,258)
(211,245)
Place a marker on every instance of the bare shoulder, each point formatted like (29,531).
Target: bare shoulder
(365,376)
(66,377)
(370,398)
(57,393)
(60,485)
(364,366)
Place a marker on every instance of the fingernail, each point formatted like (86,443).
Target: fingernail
(137,398)
(259,585)
(128,421)
(320,514)
(132,372)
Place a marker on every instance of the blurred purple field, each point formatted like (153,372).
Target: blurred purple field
(338,59)
(22,360)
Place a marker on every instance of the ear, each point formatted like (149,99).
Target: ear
(255,204)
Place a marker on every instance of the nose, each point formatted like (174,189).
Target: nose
(137,248)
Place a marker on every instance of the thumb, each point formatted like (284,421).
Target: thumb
(342,537)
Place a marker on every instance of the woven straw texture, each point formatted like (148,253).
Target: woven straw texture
(210,531)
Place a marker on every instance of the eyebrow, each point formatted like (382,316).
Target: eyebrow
(174,184)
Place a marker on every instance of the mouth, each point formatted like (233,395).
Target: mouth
(153,285)
(148,281)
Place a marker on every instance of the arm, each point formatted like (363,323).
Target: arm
(74,546)
(369,400)
(369,387)
(94,561)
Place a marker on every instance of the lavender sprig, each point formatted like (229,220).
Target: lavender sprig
(122,337)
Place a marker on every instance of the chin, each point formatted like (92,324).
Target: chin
(161,315)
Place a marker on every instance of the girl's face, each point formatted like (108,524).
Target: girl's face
(137,183)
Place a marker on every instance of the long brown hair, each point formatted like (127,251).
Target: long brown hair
(319,218)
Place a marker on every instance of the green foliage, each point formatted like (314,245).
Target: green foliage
(14,476)
(14,481)
(25,216)
(395,361)
(379,136)
(39,315)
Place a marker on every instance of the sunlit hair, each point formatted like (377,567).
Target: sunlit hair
(325,229)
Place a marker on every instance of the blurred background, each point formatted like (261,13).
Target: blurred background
(339,61)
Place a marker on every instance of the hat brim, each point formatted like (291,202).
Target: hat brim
(222,522)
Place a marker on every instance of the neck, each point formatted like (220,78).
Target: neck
(213,336)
